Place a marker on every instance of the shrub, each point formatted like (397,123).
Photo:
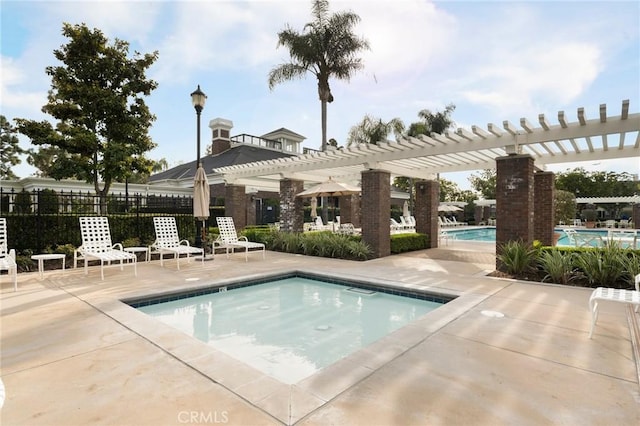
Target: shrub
(516,258)
(401,243)
(604,267)
(557,266)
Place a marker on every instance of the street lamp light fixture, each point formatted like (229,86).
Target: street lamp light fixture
(198,99)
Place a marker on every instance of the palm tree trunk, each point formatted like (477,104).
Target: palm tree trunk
(323,119)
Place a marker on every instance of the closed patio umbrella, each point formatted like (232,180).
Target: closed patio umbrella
(201,197)
(314,207)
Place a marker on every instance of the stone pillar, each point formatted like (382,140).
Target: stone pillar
(544,207)
(635,216)
(251,209)
(235,205)
(220,135)
(350,210)
(514,200)
(291,207)
(426,209)
(376,202)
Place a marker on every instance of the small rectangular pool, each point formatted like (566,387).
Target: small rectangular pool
(292,326)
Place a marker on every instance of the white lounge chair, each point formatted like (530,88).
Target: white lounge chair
(629,297)
(7,257)
(229,240)
(96,245)
(168,241)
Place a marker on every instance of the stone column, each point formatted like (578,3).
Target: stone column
(235,205)
(514,200)
(350,210)
(544,207)
(376,204)
(635,216)
(291,207)
(426,209)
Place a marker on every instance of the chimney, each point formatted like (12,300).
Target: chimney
(220,136)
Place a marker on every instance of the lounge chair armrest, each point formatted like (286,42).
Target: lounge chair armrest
(184,242)
(243,238)
(12,254)
(117,246)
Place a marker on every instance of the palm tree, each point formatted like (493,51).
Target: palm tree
(432,122)
(326,48)
(373,130)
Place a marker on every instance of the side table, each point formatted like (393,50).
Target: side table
(48,256)
(146,250)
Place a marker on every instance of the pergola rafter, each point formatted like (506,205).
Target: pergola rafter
(604,137)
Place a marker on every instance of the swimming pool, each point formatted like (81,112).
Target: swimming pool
(488,234)
(293,326)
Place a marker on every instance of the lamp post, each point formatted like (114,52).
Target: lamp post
(198,99)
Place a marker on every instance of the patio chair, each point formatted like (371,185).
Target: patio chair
(96,245)
(229,240)
(629,297)
(168,241)
(7,257)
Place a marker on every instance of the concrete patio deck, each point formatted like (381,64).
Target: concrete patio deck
(73,354)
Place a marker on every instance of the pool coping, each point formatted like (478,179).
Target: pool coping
(289,403)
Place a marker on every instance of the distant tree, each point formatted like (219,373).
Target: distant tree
(9,154)
(565,209)
(44,160)
(485,183)
(372,130)
(596,184)
(97,98)
(432,122)
(327,48)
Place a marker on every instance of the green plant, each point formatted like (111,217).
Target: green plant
(631,268)
(516,257)
(401,243)
(604,267)
(557,266)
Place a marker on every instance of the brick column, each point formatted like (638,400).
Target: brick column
(514,200)
(544,207)
(350,210)
(291,207)
(376,202)
(635,215)
(235,205)
(426,209)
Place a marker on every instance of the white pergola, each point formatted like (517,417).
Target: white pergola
(599,138)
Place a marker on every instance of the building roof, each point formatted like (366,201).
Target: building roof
(238,154)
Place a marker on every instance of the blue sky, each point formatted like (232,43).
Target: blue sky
(495,61)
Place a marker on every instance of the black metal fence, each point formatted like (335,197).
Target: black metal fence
(42,219)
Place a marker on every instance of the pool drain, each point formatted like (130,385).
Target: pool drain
(323,327)
(264,307)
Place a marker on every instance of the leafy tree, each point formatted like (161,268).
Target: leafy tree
(97,98)
(596,184)
(432,122)
(9,154)
(372,130)
(326,48)
(565,210)
(485,183)
(44,159)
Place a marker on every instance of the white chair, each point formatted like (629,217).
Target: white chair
(629,297)
(168,241)
(229,240)
(96,245)
(446,237)
(7,257)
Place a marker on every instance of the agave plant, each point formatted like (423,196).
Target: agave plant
(516,257)
(557,266)
(604,267)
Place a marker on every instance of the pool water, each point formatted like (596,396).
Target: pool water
(292,327)
(489,235)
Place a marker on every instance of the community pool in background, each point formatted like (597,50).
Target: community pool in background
(488,235)
(291,327)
